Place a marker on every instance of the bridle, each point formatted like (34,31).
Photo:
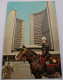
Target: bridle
(22,53)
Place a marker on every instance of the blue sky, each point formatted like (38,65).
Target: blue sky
(24,9)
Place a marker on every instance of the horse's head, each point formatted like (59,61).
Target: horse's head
(22,53)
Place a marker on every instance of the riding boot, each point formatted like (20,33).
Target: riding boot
(48,56)
(45,70)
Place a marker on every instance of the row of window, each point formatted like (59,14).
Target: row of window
(36,38)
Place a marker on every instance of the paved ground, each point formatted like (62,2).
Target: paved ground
(21,71)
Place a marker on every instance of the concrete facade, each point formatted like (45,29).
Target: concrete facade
(31,30)
(10,33)
(44,24)
(19,34)
(53,26)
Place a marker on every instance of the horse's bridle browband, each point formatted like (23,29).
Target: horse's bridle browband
(21,55)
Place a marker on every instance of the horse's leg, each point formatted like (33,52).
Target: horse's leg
(57,75)
(59,72)
(60,69)
(38,76)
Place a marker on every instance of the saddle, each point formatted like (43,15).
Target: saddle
(49,60)
(52,61)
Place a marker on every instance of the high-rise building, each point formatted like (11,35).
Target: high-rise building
(44,24)
(14,34)
(19,34)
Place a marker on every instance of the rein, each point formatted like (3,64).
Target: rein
(31,57)
(42,63)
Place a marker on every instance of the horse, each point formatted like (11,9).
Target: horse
(38,65)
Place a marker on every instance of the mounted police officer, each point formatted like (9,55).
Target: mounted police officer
(45,48)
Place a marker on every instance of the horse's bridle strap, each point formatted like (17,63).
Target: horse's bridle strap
(31,57)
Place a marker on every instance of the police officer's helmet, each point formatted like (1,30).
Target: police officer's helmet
(44,38)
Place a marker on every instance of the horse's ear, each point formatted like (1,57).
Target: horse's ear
(23,46)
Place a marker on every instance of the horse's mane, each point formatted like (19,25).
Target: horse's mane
(29,50)
(32,51)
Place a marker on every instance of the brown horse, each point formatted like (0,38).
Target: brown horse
(38,64)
